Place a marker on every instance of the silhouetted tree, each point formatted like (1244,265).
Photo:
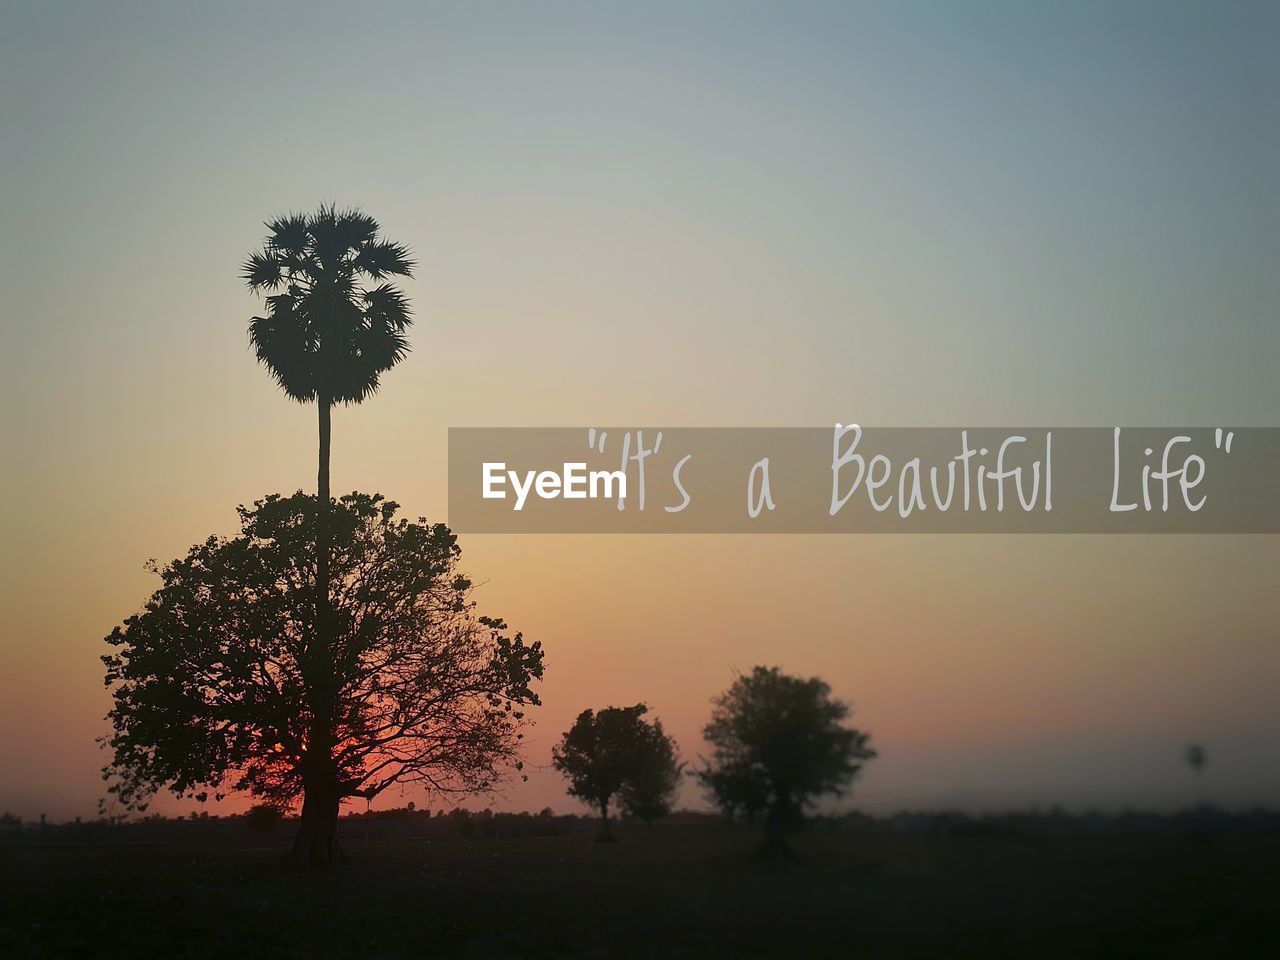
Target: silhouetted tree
(263,817)
(779,744)
(649,790)
(333,325)
(1197,756)
(215,687)
(603,751)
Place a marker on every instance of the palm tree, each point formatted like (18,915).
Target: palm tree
(333,325)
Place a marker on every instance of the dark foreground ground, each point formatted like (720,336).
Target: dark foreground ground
(670,892)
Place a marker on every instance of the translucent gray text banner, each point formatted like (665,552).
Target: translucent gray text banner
(852,479)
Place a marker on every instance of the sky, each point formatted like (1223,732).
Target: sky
(737,214)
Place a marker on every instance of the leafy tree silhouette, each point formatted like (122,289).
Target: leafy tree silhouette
(333,326)
(649,790)
(263,817)
(605,751)
(214,685)
(779,744)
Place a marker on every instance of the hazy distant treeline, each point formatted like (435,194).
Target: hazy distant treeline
(458,823)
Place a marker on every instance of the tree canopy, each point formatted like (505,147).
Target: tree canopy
(215,682)
(779,743)
(334,321)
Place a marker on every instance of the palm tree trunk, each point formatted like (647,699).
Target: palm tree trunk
(317,839)
(322,520)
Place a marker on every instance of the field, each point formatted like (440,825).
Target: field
(676,890)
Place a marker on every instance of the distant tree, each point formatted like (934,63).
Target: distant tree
(605,750)
(263,817)
(333,325)
(1197,756)
(779,744)
(214,686)
(650,788)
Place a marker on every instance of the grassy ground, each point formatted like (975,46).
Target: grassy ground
(665,893)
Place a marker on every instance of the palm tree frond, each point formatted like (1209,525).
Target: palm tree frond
(282,344)
(354,228)
(386,305)
(261,272)
(330,241)
(370,353)
(382,258)
(289,235)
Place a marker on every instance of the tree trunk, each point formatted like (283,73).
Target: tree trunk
(322,525)
(606,832)
(775,833)
(317,839)
(775,840)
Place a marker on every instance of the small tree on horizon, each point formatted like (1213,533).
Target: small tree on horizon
(215,689)
(263,817)
(778,744)
(1197,758)
(607,749)
(649,791)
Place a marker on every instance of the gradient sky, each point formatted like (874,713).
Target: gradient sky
(716,214)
